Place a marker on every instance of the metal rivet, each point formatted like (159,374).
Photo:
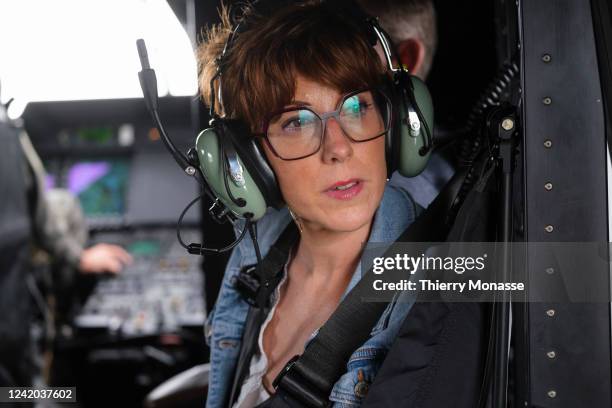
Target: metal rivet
(552,394)
(551,354)
(548,186)
(549,228)
(361,389)
(190,171)
(547,101)
(548,143)
(508,124)
(550,312)
(546,58)
(362,386)
(550,271)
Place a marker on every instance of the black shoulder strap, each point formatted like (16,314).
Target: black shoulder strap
(309,378)
(256,284)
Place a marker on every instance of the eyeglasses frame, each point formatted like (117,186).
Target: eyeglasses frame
(324,116)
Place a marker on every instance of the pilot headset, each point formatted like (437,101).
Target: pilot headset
(234,165)
(230,165)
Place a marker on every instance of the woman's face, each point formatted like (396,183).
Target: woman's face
(340,187)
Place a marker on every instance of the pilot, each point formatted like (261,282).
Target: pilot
(306,81)
(411,24)
(28,214)
(59,227)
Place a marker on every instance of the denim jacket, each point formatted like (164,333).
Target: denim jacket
(225,323)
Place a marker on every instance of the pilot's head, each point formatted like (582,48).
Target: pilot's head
(307,82)
(411,24)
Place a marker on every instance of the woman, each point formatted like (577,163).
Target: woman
(307,81)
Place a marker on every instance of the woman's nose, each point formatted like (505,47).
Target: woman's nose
(337,147)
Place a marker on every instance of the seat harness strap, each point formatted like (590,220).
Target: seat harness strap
(256,283)
(307,379)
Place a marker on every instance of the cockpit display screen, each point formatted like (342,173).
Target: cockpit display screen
(95,135)
(144,247)
(100,186)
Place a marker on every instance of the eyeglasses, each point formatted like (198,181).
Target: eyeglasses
(296,133)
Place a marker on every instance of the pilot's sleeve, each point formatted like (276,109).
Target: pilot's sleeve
(47,223)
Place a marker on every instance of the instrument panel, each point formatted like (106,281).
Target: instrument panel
(161,292)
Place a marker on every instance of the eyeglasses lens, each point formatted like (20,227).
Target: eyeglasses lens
(298,132)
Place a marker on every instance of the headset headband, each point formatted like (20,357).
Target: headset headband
(368,25)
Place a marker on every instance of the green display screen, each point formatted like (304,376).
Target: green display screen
(144,248)
(96,135)
(100,186)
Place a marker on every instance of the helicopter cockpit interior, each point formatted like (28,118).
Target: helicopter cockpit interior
(522,97)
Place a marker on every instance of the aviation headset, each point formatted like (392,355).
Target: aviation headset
(230,164)
(244,181)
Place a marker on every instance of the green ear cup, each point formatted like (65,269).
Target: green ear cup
(411,163)
(209,152)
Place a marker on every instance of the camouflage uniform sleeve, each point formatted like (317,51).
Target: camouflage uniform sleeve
(50,227)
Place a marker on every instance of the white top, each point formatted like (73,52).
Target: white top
(253,392)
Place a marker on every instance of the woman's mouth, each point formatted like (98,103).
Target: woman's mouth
(345,190)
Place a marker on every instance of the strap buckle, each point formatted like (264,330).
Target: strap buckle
(292,383)
(248,285)
(253,291)
(284,371)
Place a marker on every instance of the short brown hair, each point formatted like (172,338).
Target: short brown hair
(259,73)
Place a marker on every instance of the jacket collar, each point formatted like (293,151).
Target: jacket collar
(395,212)
(390,220)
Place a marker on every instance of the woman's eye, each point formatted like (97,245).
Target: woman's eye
(292,124)
(297,122)
(356,107)
(364,106)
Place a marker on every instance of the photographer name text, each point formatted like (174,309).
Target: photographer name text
(437,285)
